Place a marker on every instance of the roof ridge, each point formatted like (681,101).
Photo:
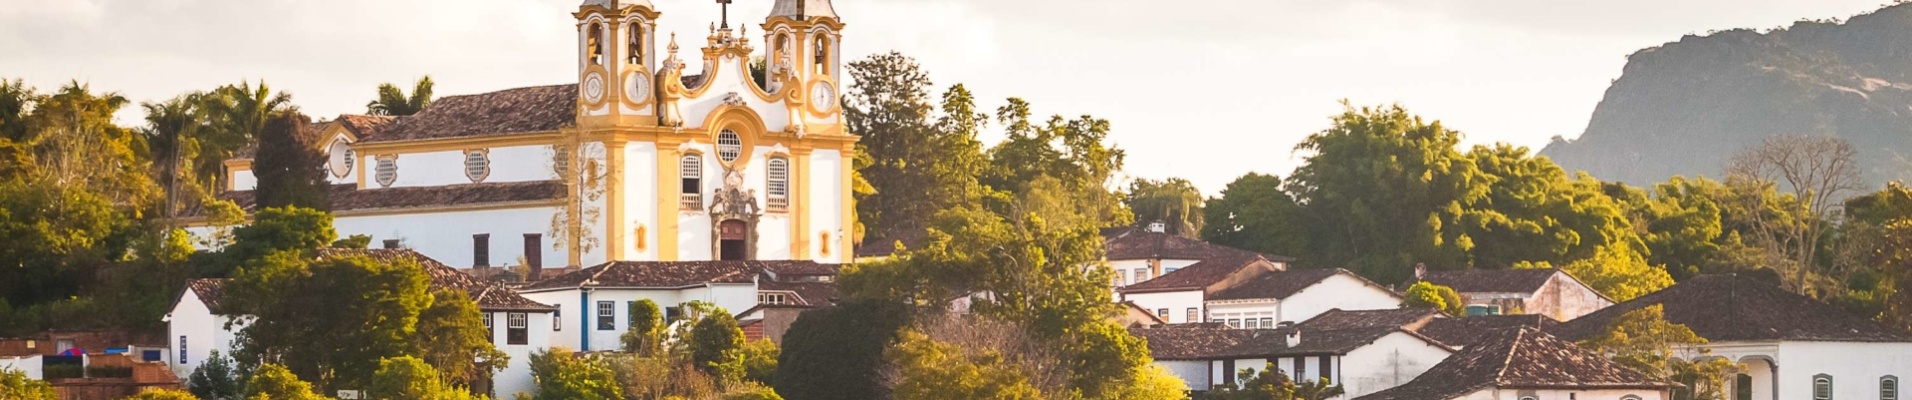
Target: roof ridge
(1512,348)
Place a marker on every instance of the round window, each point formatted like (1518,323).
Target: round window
(341,158)
(729,146)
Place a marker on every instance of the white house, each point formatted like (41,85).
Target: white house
(1271,299)
(1550,292)
(1140,254)
(598,299)
(518,326)
(1361,360)
(672,165)
(1527,364)
(1183,294)
(1789,346)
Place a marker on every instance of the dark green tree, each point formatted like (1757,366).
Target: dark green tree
(329,319)
(451,336)
(1175,202)
(918,162)
(237,115)
(393,101)
(837,353)
(217,379)
(646,334)
(715,342)
(1254,213)
(289,166)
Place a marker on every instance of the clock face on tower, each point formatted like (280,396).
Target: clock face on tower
(637,88)
(822,96)
(594,87)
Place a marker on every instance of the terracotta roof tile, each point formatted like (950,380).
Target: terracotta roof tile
(489,296)
(521,110)
(1138,244)
(1492,280)
(365,126)
(1405,318)
(212,292)
(1725,308)
(349,198)
(1199,275)
(1276,285)
(1519,358)
(1217,342)
(808,293)
(1468,331)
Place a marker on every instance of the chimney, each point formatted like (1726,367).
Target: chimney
(1420,271)
(1158,227)
(1294,338)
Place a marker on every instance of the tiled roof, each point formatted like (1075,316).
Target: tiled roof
(808,293)
(1519,359)
(671,274)
(1216,342)
(521,110)
(212,292)
(1734,308)
(349,198)
(1470,330)
(1492,280)
(489,296)
(1405,318)
(1140,244)
(365,126)
(1276,285)
(801,268)
(1198,275)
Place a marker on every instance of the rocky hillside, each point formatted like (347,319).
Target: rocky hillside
(1684,108)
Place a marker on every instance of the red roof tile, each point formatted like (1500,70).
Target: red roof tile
(1522,358)
(521,110)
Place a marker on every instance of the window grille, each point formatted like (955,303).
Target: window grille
(477,166)
(516,329)
(387,171)
(1822,387)
(691,170)
(607,316)
(488,329)
(778,186)
(1889,388)
(729,146)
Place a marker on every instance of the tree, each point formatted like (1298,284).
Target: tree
(1254,213)
(836,353)
(274,230)
(53,232)
(238,114)
(275,382)
(1175,202)
(162,394)
(452,337)
(289,166)
(1681,221)
(579,166)
(393,101)
(646,335)
(760,360)
(919,162)
(407,377)
(1073,152)
(1618,273)
(1271,384)
(332,319)
(715,342)
(14,384)
(217,379)
(929,370)
(1643,340)
(1819,171)
(173,128)
(563,375)
(1425,294)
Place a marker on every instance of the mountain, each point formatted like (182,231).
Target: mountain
(1684,108)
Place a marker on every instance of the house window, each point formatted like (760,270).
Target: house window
(691,169)
(1194,315)
(390,244)
(1327,364)
(1234,323)
(488,331)
(516,329)
(1118,280)
(772,298)
(557,320)
(1629,397)
(1475,310)
(1268,323)
(607,316)
(341,158)
(1528,398)
(1162,313)
(1301,368)
(182,349)
(62,345)
(778,184)
(671,314)
(1822,387)
(1141,275)
(1889,388)
(729,146)
(387,171)
(477,165)
(481,250)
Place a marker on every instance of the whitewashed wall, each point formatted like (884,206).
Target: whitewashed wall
(440,168)
(1177,303)
(447,236)
(1521,394)
(244,180)
(640,200)
(580,320)
(1390,361)
(731,76)
(32,366)
(516,376)
(1855,367)
(826,206)
(1193,372)
(203,333)
(1341,291)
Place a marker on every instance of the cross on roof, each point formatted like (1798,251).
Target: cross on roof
(726,5)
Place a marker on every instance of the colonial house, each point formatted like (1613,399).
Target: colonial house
(665,164)
(1272,299)
(200,318)
(1527,364)
(1788,346)
(1361,360)
(1140,254)
(1550,292)
(1183,294)
(600,298)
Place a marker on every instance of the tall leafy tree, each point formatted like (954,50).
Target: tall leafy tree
(837,353)
(1254,213)
(1072,152)
(237,115)
(289,166)
(173,128)
(393,101)
(1643,340)
(330,320)
(715,342)
(451,336)
(919,161)
(1175,202)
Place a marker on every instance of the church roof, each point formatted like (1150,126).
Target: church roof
(348,197)
(1726,308)
(489,296)
(521,110)
(803,9)
(1519,359)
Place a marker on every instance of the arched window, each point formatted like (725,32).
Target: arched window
(636,47)
(823,54)
(1822,387)
(387,171)
(691,170)
(729,146)
(777,184)
(1889,388)
(594,42)
(477,165)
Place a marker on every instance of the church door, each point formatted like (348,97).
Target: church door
(732,235)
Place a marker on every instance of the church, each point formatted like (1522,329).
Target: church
(639,160)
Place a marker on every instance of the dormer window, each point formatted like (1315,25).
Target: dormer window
(777,185)
(773,298)
(691,170)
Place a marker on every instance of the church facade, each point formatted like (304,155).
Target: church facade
(639,160)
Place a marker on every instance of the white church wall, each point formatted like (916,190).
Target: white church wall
(447,236)
(732,77)
(640,200)
(826,206)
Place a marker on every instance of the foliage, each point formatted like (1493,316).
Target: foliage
(162,394)
(715,344)
(353,242)
(331,320)
(760,360)
(1254,213)
(407,377)
(237,116)
(1643,340)
(918,162)
(1072,152)
(1816,172)
(658,377)
(563,375)
(216,379)
(290,167)
(752,393)
(1425,294)
(275,382)
(1619,274)
(835,353)
(15,385)
(646,335)
(1175,202)
(928,370)
(53,233)
(280,229)
(451,336)
(1271,384)
(393,101)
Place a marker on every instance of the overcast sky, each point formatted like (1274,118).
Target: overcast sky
(1207,90)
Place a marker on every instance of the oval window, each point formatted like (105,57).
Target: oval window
(387,171)
(729,146)
(477,165)
(341,158)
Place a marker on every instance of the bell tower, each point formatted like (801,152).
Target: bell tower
(617,63)
(803,46)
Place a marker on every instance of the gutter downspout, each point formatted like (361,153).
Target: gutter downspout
(584,320)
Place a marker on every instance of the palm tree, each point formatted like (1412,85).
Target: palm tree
(172,130)
(393,101)
(236,115)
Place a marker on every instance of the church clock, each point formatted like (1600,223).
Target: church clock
(594,88)
(822,97)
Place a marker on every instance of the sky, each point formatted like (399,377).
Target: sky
(1206,90)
